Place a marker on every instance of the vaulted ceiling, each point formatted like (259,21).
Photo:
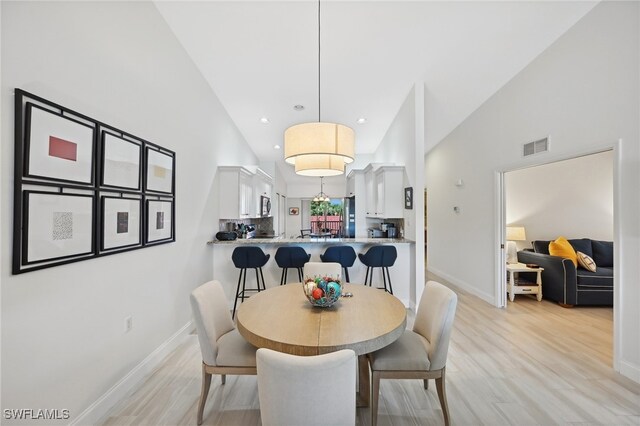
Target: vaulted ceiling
(261,59)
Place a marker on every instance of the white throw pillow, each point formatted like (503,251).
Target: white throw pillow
(586,262)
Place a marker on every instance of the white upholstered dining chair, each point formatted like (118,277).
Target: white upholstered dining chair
(312,269)
(224,350)
(420,353)
(307,390)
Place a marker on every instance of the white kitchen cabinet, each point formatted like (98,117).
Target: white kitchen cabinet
(384,191)
(389,195)
(351,185)
(240,191)
(262,187)
(236,192)
(370,191)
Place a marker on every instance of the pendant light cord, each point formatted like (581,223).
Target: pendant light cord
(319,120)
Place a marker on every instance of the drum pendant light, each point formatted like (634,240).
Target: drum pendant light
(319,148)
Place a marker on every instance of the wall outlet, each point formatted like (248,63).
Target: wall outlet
(128,324)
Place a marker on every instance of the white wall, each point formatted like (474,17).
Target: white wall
(583,91)
(573,198)
(403,145)
(63,344)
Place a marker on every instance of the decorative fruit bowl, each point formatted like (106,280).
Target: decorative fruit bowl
(322,291)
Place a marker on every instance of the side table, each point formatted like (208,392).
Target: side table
(513,287)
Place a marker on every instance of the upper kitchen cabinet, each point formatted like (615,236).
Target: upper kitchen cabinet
(351,185)
(370,191)
(241,191)
(389,192)
(262,186)
(384,197)
(236,192)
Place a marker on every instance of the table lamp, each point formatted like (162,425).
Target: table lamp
(514,233)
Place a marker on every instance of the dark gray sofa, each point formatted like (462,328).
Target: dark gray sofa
(562,282)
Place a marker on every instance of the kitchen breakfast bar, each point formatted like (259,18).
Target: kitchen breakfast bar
(401,272)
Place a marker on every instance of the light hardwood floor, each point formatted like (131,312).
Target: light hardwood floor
(533,363)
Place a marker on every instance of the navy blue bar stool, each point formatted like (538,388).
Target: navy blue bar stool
(291,257)
(344,255)
(379,257)
(248,257)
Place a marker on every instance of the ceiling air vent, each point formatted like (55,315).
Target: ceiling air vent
(536,147)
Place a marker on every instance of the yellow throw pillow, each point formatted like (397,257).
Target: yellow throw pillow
(586,262)
(562,248)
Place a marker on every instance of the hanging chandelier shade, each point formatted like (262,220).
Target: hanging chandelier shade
(319,149)
(311,139)
(319,165)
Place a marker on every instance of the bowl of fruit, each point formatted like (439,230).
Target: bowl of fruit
(322,291)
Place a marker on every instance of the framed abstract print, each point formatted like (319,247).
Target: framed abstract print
(159,221)
(408,198)
(80,187)
(121,160)
(58,147)
(120,222)
(159,176)
(57,226)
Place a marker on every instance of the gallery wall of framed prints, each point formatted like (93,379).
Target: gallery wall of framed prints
(85,189)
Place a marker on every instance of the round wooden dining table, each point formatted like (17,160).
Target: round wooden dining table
(282,319)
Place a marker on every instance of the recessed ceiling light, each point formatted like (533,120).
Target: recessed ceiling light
(361,120)
(276,147)
(298,107)
(264,120)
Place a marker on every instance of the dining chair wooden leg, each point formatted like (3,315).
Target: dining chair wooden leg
(282,276)
(442,396)
(426,383)
(375,392)
(364,383)
(366,276)
(206,383)
(346,274)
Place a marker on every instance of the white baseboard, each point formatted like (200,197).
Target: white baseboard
(630,370)
(96,411)
(489,298)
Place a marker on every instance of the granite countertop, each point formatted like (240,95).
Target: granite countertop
(283,240)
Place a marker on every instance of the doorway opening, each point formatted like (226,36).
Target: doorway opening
(572,198)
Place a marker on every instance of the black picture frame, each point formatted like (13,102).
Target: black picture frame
(156,179)
(408,198)
(106,243)
(62,227)
(107,169)
(92,185)
(265,206)
(159,229)
(33,135)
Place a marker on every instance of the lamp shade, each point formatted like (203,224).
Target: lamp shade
(319,138)
(516,233)
(319,165)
